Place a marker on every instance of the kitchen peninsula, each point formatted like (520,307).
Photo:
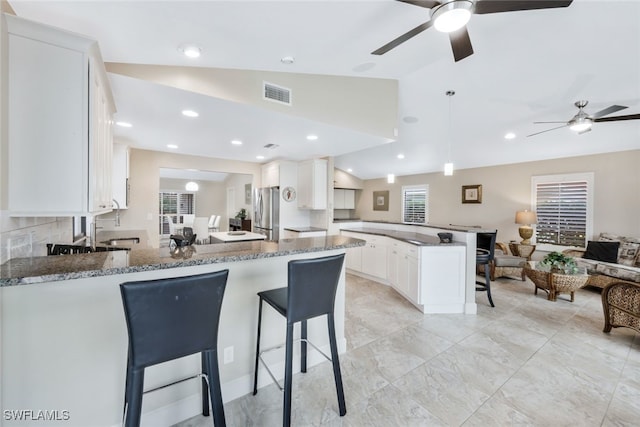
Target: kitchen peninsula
(64,337)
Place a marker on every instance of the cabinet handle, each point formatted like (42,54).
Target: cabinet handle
(102,206)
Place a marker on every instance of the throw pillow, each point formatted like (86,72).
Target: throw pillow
(602,251)
(608,237)
(629,249)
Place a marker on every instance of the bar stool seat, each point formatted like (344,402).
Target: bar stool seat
(311,292)
(168,319)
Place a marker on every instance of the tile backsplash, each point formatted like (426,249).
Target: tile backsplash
(25,237)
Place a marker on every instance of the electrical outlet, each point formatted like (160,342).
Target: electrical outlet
(228,355)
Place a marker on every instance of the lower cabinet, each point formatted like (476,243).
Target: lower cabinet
(404,270)
(431,277)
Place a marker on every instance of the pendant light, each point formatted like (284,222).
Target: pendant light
(448,167)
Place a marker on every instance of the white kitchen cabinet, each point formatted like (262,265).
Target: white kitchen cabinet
(271,175)
(404,274)
(312,184)
(60,111)
(353,257)
(374,256)
(120,178)
(344,198)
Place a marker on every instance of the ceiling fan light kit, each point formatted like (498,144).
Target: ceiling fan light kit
(452,16)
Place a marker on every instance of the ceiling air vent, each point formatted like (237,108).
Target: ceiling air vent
(271,146)
(276,93)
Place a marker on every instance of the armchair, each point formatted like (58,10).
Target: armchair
(621,306)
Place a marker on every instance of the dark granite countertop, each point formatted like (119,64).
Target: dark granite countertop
(305,229)
(23,271)
(404,236)
(451,227)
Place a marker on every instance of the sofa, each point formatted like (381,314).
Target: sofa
(610,258)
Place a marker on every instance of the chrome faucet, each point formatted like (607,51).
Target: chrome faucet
(96,219)
(117,212)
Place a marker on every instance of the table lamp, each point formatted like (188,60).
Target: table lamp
(526,218)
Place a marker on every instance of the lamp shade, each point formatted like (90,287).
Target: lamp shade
(526,217)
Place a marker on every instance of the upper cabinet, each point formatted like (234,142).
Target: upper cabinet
(120,177)
(344,198)
(271,175)
(312,184)
(60,117)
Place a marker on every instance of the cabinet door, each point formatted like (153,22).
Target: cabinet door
(374,257)
(271,175)
(403,274)
(353,258)
(100,145)
(47,128)
(312,184)
(120,178)
(392,266)
(338,198)
(413,280)
(349,199)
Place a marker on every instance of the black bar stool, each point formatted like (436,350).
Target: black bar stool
(311,292)
(485,250)
(168,319)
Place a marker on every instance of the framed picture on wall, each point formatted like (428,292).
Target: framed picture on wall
(472,194)
(381,200)
(247,194)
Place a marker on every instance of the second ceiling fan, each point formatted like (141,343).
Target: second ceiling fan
(451,16)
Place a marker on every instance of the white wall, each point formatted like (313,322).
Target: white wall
(507,189)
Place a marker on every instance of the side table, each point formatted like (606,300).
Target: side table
(524,251)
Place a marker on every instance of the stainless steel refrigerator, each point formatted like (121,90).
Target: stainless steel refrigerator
(266,212)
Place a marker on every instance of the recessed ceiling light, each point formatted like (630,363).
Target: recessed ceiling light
(401,156)
(236,142)
(190,51)
(287,60)
(172,146)
(124,124)
(260,157)
(510,135)
(190,113)
(312,137)
(349,170)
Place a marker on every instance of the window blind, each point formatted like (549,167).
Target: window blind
(415,204)
(561,208)
(174,204)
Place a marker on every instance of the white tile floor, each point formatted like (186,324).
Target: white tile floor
(528,361)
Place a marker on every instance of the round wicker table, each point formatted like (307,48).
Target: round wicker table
(554,283)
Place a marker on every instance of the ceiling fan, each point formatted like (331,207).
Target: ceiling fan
(451,16)
(582,121)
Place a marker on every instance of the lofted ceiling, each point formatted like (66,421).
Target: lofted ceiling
(528,66)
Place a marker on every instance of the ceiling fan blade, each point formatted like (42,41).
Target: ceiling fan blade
(461,44)
(618,118)
(537,123)
(548,130)
(427,4)
(403,38)
(496,6)
(607,111)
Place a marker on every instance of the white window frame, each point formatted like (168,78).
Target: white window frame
(424,187)
(589,178)
(180,212)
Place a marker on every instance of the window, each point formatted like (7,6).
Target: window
(175,204)
(563,204)
(415,204)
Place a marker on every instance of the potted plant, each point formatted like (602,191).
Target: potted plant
(560,263)
(242,214)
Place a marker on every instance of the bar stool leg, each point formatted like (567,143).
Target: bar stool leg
(205,386)
(255,375)
(337,375)
(134,407)
(487,277)
(303,346)
(211,360)
(288,377)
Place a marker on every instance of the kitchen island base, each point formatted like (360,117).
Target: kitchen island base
(64,344)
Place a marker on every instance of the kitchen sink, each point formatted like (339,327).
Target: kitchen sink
(123,241)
